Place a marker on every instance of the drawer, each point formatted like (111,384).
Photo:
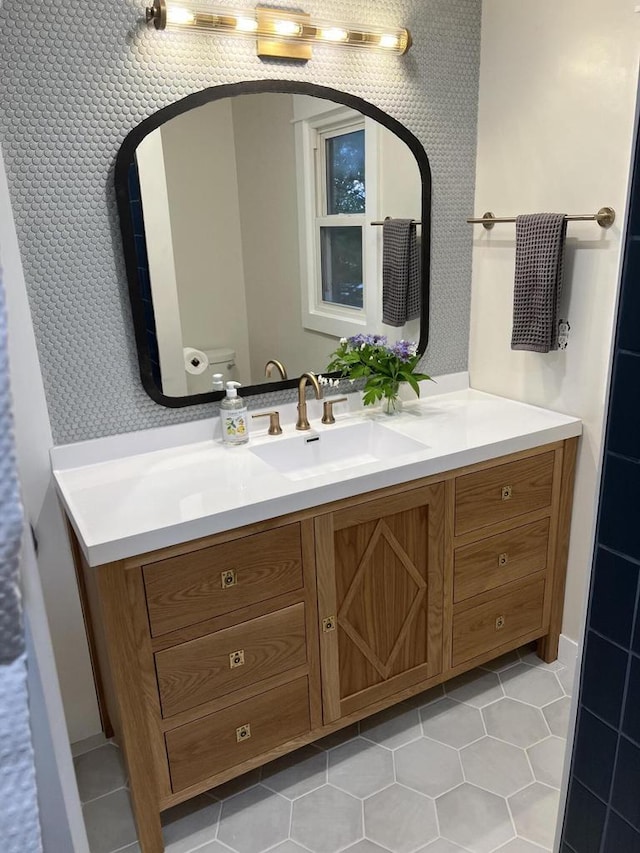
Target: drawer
(503,492)
(236,734)
(500,559)
(188,589)
(489,626)
(211,666)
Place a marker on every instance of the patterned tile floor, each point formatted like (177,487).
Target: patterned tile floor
(471,767)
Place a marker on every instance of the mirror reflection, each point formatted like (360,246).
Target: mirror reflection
(254,236)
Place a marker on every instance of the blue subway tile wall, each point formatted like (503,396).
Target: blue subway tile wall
(603,805)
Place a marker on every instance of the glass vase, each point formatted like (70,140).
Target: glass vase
(391,402)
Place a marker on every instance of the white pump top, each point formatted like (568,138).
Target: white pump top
(232,389)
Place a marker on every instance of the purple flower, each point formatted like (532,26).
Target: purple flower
(404,350)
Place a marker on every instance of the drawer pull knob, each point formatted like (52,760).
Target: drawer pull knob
(243,732)
(236,659)
(329,624)
(506,492)
(503,559)
(228,578)
(500,622)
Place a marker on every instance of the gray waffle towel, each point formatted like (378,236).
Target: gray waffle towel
(400,272)
(538,281)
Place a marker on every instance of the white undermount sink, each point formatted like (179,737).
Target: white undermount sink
(339,448)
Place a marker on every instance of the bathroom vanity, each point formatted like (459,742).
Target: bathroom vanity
(238,608)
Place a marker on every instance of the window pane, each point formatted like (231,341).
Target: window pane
(345,173)
(341,257)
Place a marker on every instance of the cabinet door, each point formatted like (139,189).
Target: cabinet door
(380,572)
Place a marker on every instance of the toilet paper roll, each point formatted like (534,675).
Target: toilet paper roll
(195,361)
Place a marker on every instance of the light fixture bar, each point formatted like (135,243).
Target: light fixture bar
(276,27)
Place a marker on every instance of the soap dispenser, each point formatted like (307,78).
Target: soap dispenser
(233,416)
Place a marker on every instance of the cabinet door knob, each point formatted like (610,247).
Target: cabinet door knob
(228,578)
(500,622)
(236,659)
(506,492)
(243,732)
(503,559)
(329,624)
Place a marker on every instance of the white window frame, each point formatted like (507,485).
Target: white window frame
(310,134)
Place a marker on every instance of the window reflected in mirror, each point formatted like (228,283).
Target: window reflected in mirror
(252,236)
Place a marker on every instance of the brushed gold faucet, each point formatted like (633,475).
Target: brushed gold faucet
(273,362)
(303,422)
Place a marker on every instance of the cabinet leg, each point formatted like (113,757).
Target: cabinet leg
(547,647)
(149,828)
(123,639)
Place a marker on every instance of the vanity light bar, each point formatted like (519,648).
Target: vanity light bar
(278,31)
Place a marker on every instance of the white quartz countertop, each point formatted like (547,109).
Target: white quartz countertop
(127,495)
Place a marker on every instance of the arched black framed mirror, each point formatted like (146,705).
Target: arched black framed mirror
(248,214)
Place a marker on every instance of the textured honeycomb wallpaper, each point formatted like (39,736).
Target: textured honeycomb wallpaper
(77,77)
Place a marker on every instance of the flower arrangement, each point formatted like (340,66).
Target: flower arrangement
(382,366)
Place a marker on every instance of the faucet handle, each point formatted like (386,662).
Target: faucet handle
(274,422)
(327,410)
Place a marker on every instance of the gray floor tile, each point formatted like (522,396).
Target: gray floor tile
(393,727)
(535,812)
(99,772)
(515,722)
(566,678)
(339,737)
(425,698)
(326,820)
(297,773)
(190,824)
(532,659)
(365,846)
(400,819)
(216,847)
(254,820)
(286,847)
(547,760)
(442,845)
(428,766)
(452,723)
(503,662)
(532,685)
(474,818)
(109,822)
(360,767)
(87,744)
(135,848)
(477,688)
(496,766)
(520,845)
(557,716)
(236,786)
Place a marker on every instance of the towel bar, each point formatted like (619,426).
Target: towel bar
(605,218)
(381,222)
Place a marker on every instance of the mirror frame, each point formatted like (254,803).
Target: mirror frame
(126,156)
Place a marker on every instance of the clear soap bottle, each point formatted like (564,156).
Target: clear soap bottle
(233,416)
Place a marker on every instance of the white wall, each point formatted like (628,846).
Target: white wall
(162,268)
(60,812)
(558,86)
(200,167)
(265,154)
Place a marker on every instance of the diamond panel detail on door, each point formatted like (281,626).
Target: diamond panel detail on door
(380,569)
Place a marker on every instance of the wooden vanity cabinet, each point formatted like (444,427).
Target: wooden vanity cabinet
(216,656)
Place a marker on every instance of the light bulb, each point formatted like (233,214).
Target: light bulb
(246,25)
(389,41)
(334,34)
(287,28)
(179,16)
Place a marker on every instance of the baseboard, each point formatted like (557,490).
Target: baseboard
(567,651)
